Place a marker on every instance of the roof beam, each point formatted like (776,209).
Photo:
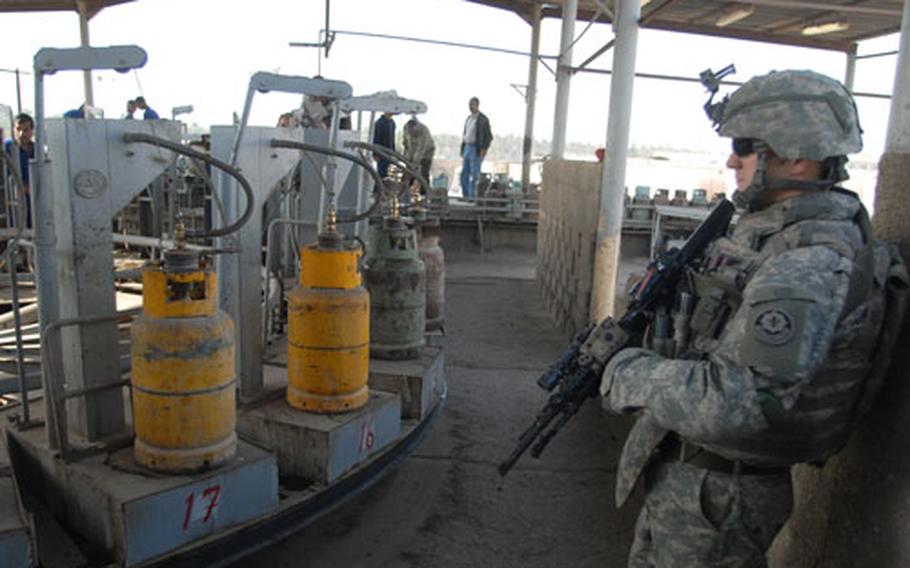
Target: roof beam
(653,12)
(803,41)
(824,6)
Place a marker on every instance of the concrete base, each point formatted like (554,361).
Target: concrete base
(16,529)
(419,382)
(139,515)
(323,447)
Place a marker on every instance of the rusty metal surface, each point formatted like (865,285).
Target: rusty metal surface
(396,279)
(433,259)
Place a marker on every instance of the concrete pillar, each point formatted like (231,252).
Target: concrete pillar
(564,77)
(899,120)
(612,191)
(850,73)
(530,98)
(85,41)
(854,511)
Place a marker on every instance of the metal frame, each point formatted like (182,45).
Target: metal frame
(240,276)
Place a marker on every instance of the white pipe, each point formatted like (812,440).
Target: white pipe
(527,149)
(564,77)
(612,191)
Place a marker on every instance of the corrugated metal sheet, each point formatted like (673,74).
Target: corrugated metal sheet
(773,21)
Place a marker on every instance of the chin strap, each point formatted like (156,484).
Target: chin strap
(834,170)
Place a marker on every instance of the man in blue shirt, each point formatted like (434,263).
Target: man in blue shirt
(75,113)
(148,112)
(24,128)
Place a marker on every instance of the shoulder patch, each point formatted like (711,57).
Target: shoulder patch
(773,326)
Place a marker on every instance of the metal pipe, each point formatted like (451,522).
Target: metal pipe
(527,146)
(238,136)
(898,137)
(45,247)
(276,143)
(432,41)
(131,137)
(564,77)
(268,273)
(330,167)
(850,73)
(11,248)
(55,393)
(18,92)
(612,191)
(393,156)
(85,41)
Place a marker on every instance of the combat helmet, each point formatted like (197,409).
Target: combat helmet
(797,115)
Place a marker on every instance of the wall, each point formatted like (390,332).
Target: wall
(566,233)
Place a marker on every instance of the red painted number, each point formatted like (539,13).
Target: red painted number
(213,492)
(189,510)
(366,436)
(210,498)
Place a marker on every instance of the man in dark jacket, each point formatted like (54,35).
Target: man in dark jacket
(384,135)
(474,144)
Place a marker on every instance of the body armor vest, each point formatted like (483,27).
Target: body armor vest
(817,423)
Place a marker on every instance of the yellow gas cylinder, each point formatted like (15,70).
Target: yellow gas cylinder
(328,329)
(184,400)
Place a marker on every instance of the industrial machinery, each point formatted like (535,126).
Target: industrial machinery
(171,444)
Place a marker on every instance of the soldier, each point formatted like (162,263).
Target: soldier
(787,343)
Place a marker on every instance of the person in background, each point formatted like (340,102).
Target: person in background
(75,112)
(148,113)
(475,142)
(384,135)
(23,130)
(418,148)
(130,109)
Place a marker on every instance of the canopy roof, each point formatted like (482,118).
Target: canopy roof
(91,7)
(773,21)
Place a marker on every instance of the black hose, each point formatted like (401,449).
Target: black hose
(131,137)
(276,143)
(393,156)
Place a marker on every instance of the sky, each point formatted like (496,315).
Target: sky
(203,52)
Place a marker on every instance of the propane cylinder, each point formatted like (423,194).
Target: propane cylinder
(183,369)
(328,329)
(434,262)
(396,279)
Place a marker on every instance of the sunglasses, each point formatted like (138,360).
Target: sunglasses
(743,147)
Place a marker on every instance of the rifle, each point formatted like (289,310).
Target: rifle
(576,375)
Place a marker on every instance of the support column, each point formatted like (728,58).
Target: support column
(850,74)
(564,77)
(527,147)
(612,191)
(85,41)
(894,167)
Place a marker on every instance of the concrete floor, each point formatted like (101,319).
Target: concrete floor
(445,505)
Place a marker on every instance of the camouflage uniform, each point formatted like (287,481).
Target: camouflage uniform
(782,337)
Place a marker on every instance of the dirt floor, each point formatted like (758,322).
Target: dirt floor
(445,505)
